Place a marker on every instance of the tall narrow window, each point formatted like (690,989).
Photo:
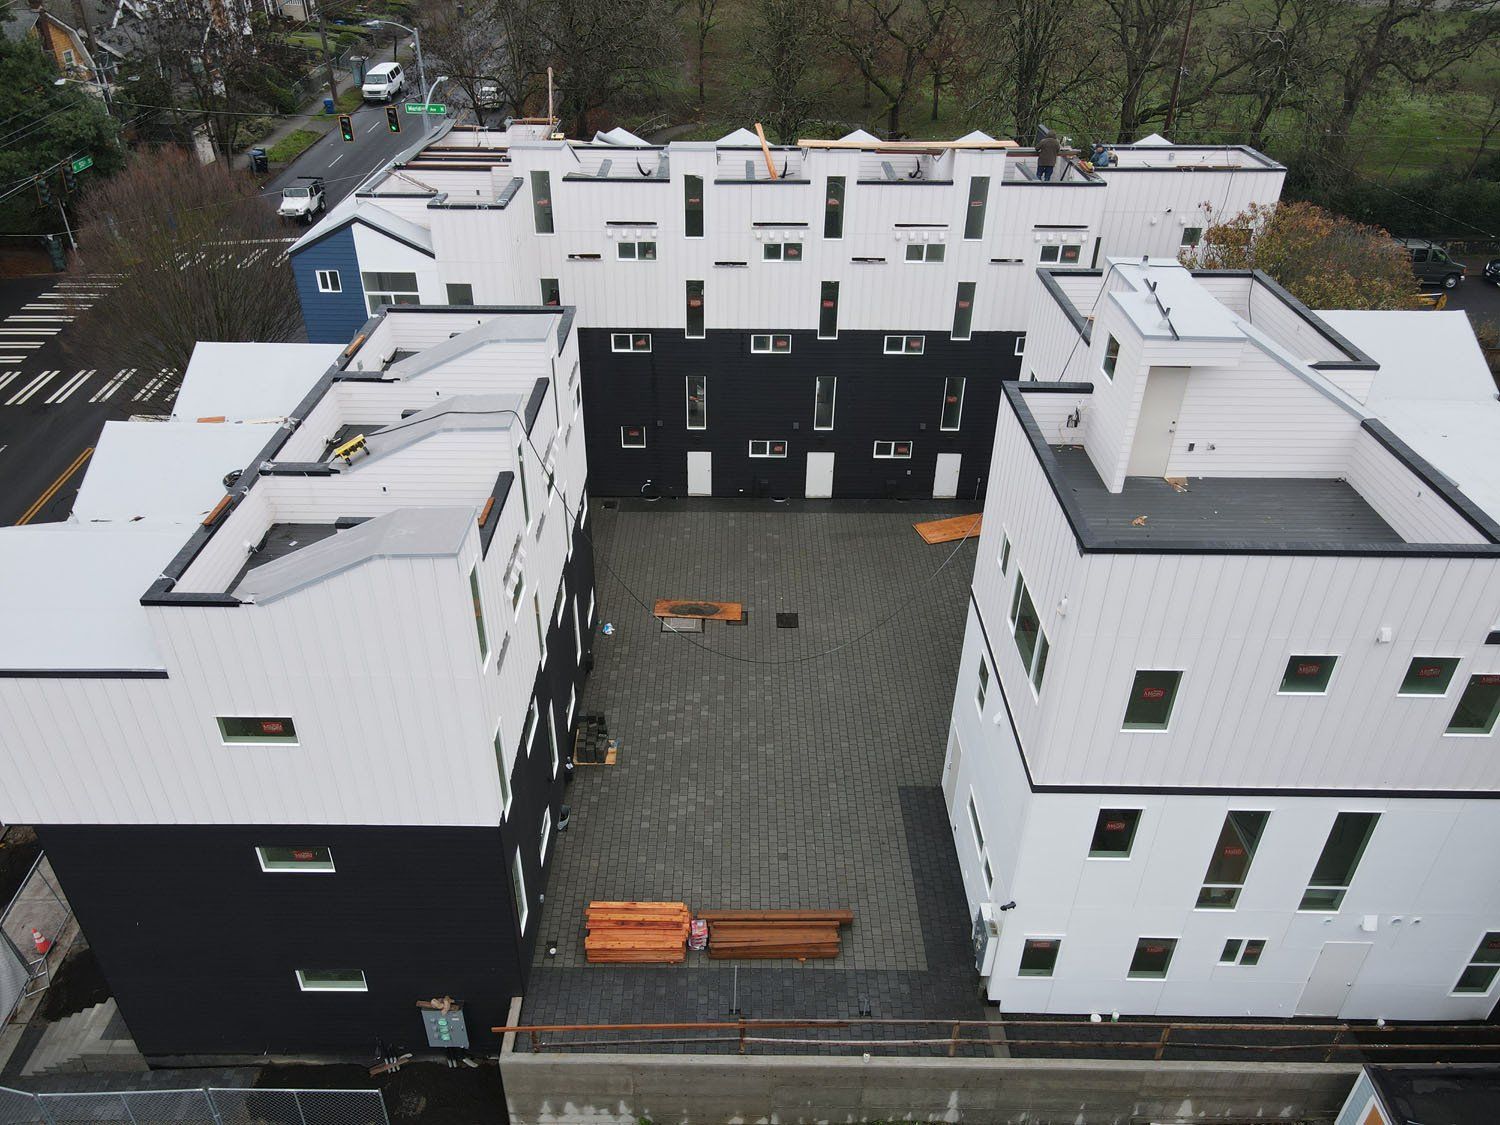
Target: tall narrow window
(1111,357)
(1478,707)
(541,201)
(695,310)
(1031,642)
(979,194)
(521,477)
(552,740)
(697,402)
(984,684)
(828,311)
(528,729)
(1230,863)
(825,392)
(504,774)
(692,206)
(545,836)
(551,291)
(518,891)
(974,824)
(1346,843)
(1151,698)
(484,640)
(833,208)
(963,311)
(953,402)
(1480,972)
(541,629)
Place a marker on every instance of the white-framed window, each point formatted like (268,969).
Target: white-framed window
(1191,236)
(504,772)
(1428,675)
(561,603)
(1064,255)
(68,58)
(696,387)
(1004,552)
(331,980)
(1307,675)
(390,289)
(588,618)
(1478,707)
(781,252)
(517,591)
(771,343)
(552,740)
(630,341)
(572,705)
(632,437)
(963,311)
(541,629)
(767,448)
(1152,695)
(1021,344)
(930,252)
(484,638)
(309,859)
(1242,951)
(577,633)
(1342,851)
(984,684)
(251,730)
(1479,974)
(635,251)
(1039,956)
(518,889)
(953,403)
(974,825)
(893,450)
(1026,628)
(1111,357)
(905,345)
(825,399)
(528,731)
(546,836)
(1114,833)
(1229,865)
(330,282)
(1153,956)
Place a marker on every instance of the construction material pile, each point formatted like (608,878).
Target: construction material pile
(774,934)
(640,933)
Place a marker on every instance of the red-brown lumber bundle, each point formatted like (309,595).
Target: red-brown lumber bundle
(636,932)
(774,934)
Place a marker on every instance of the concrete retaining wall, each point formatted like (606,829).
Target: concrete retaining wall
(598,1089)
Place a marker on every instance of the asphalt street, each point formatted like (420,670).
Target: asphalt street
(343,164)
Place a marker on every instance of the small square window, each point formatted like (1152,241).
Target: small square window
(768,449)
(1039,957)
(331,980)
(1191,236)
(1253,949)
(460,294)
(771,343)
(248,730)
(1069,255)
(1050,253)
(893,450)
(1152,958)
(330,282)
(632,437)
(630,341)
(1111,357)
(1429,675)
(1478,707)
(1114,833)
(1307,675)
(1151,698)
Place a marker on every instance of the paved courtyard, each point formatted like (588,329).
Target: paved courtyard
(765,768)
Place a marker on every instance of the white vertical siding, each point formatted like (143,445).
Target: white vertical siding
(1407,503)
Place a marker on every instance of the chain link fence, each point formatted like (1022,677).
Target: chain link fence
(196,1107)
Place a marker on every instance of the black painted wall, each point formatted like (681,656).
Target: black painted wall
(200,947)
(753,396)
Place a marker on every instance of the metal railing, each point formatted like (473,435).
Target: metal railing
(205,1106)
(38,903)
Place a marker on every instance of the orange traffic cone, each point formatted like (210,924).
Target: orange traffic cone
(41,943)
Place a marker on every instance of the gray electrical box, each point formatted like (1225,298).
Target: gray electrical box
(445,1029)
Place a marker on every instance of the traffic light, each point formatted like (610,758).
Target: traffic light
(346,127)
(70,181)
(43,191)
(393,119)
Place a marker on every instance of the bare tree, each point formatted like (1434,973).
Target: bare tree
(889,43)
(468,46)
(782,53)
(1030,56)
(1287,46)
(705,14)
(160,227)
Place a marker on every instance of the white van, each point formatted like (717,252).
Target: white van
(384,82)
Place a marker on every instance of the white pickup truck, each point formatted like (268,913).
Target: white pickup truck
(302,200)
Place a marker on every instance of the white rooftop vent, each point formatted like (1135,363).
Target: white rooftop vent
(1155,140)
(739,137)
(861,137)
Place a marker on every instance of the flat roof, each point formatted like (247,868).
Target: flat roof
(1166,301)
(1438,1095)
(248,382)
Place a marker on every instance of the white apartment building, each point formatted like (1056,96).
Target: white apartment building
(276,738)
(1224,736)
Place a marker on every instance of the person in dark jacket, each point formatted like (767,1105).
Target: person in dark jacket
(1047,149)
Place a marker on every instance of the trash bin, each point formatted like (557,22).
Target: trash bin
(327,105)
(259,161)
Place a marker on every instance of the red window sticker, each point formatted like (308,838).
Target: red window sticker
(1309,669)
(1114,826)
(903,447)
(963,304)
(1154,694)
(1428,672)
(272,726)
(778,447)
(1234,851)
(304,855)
(1489,681)
(827,304)
(641,341)
(695,302)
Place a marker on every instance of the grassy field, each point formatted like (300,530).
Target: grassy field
(293,145)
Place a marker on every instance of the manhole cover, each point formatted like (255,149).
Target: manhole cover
(693,609)
(786,621)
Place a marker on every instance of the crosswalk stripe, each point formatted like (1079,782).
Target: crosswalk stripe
(8,377)
(32,387)
(106,392)
(62,392)
(152,387)
(43,330)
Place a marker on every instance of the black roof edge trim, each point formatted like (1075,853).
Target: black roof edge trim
(778,180)
(83,673)
(1080,323)
(296,469)
(910,183)
(534,403)
(1357,358)
(162,594)
(1472,513)
(1034,387)
(498,495)
(585,178)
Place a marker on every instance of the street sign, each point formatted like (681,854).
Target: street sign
(435,108)
(83,162)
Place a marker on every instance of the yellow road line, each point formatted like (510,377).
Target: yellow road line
(45,497)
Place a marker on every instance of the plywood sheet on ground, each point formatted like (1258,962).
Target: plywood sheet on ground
(951,529)
(705,611)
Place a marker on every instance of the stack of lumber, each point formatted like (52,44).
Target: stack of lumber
(773,934)
(636,932)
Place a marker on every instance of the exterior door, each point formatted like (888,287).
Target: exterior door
(819,475)
(1332,977)
(700,473)
(945,481)
(1157,426)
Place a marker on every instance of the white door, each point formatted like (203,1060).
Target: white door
(945,482)
(819,475)
(700,473)
(1157,426)
(1332,977)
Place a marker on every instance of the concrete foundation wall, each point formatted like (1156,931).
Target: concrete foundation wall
(598,1089)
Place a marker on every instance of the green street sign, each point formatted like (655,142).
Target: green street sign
(435,108)
(425,107)
(83,162)
(415,107)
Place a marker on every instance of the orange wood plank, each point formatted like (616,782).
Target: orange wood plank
(722,611)
(951,529)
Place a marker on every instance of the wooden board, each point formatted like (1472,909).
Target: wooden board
(636,932)
(843,917)
(951,529)
(712,611)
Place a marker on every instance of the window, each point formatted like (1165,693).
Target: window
(697,402)
(1230,863)
(1478,707)
(525,492)
(1242,951)
(963,311)
(828,311)
(1341,854)
(68,59)
(1021,346)
(979,194)
(630,341)
(331,980)
(1191,236)
(632,437)
(1049,253)
(1026,626)
(1004,552)
(572,705)
(1479,973)
(541,629)
(1151,699)
(329,282)
(1039,957)
(1114,833)
(893,450)
(1307,675)
(484,640)
(974,824)
(768,449)
(245,729)
(781,252)
(695,310)
(825,392)
(552,741)
(504,772)
(833,208)
(551,292)
(692,206)
(546,836)
(295,859)
(635,251)
(460,294)
(905,345)
(931,252)
(1428,675)
(518,587)
(528,731)
(984,684)
(383,289)
(541,201)
(953,402)
(1111,357)
(518,890)
(1065,254)
(764,343)
(1152,957)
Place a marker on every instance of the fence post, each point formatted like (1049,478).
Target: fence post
(42,1108)
(213,1106)
(953,1043)
(297,1101)
(535,1047)
(742,1035)
(1161,1046)
(1338,1040)
(125,1105)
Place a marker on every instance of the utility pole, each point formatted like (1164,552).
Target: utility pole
(333,85)
(1177,77)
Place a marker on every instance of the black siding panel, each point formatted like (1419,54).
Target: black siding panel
(880,397)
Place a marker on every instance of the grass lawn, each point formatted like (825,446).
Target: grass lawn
(293,145)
